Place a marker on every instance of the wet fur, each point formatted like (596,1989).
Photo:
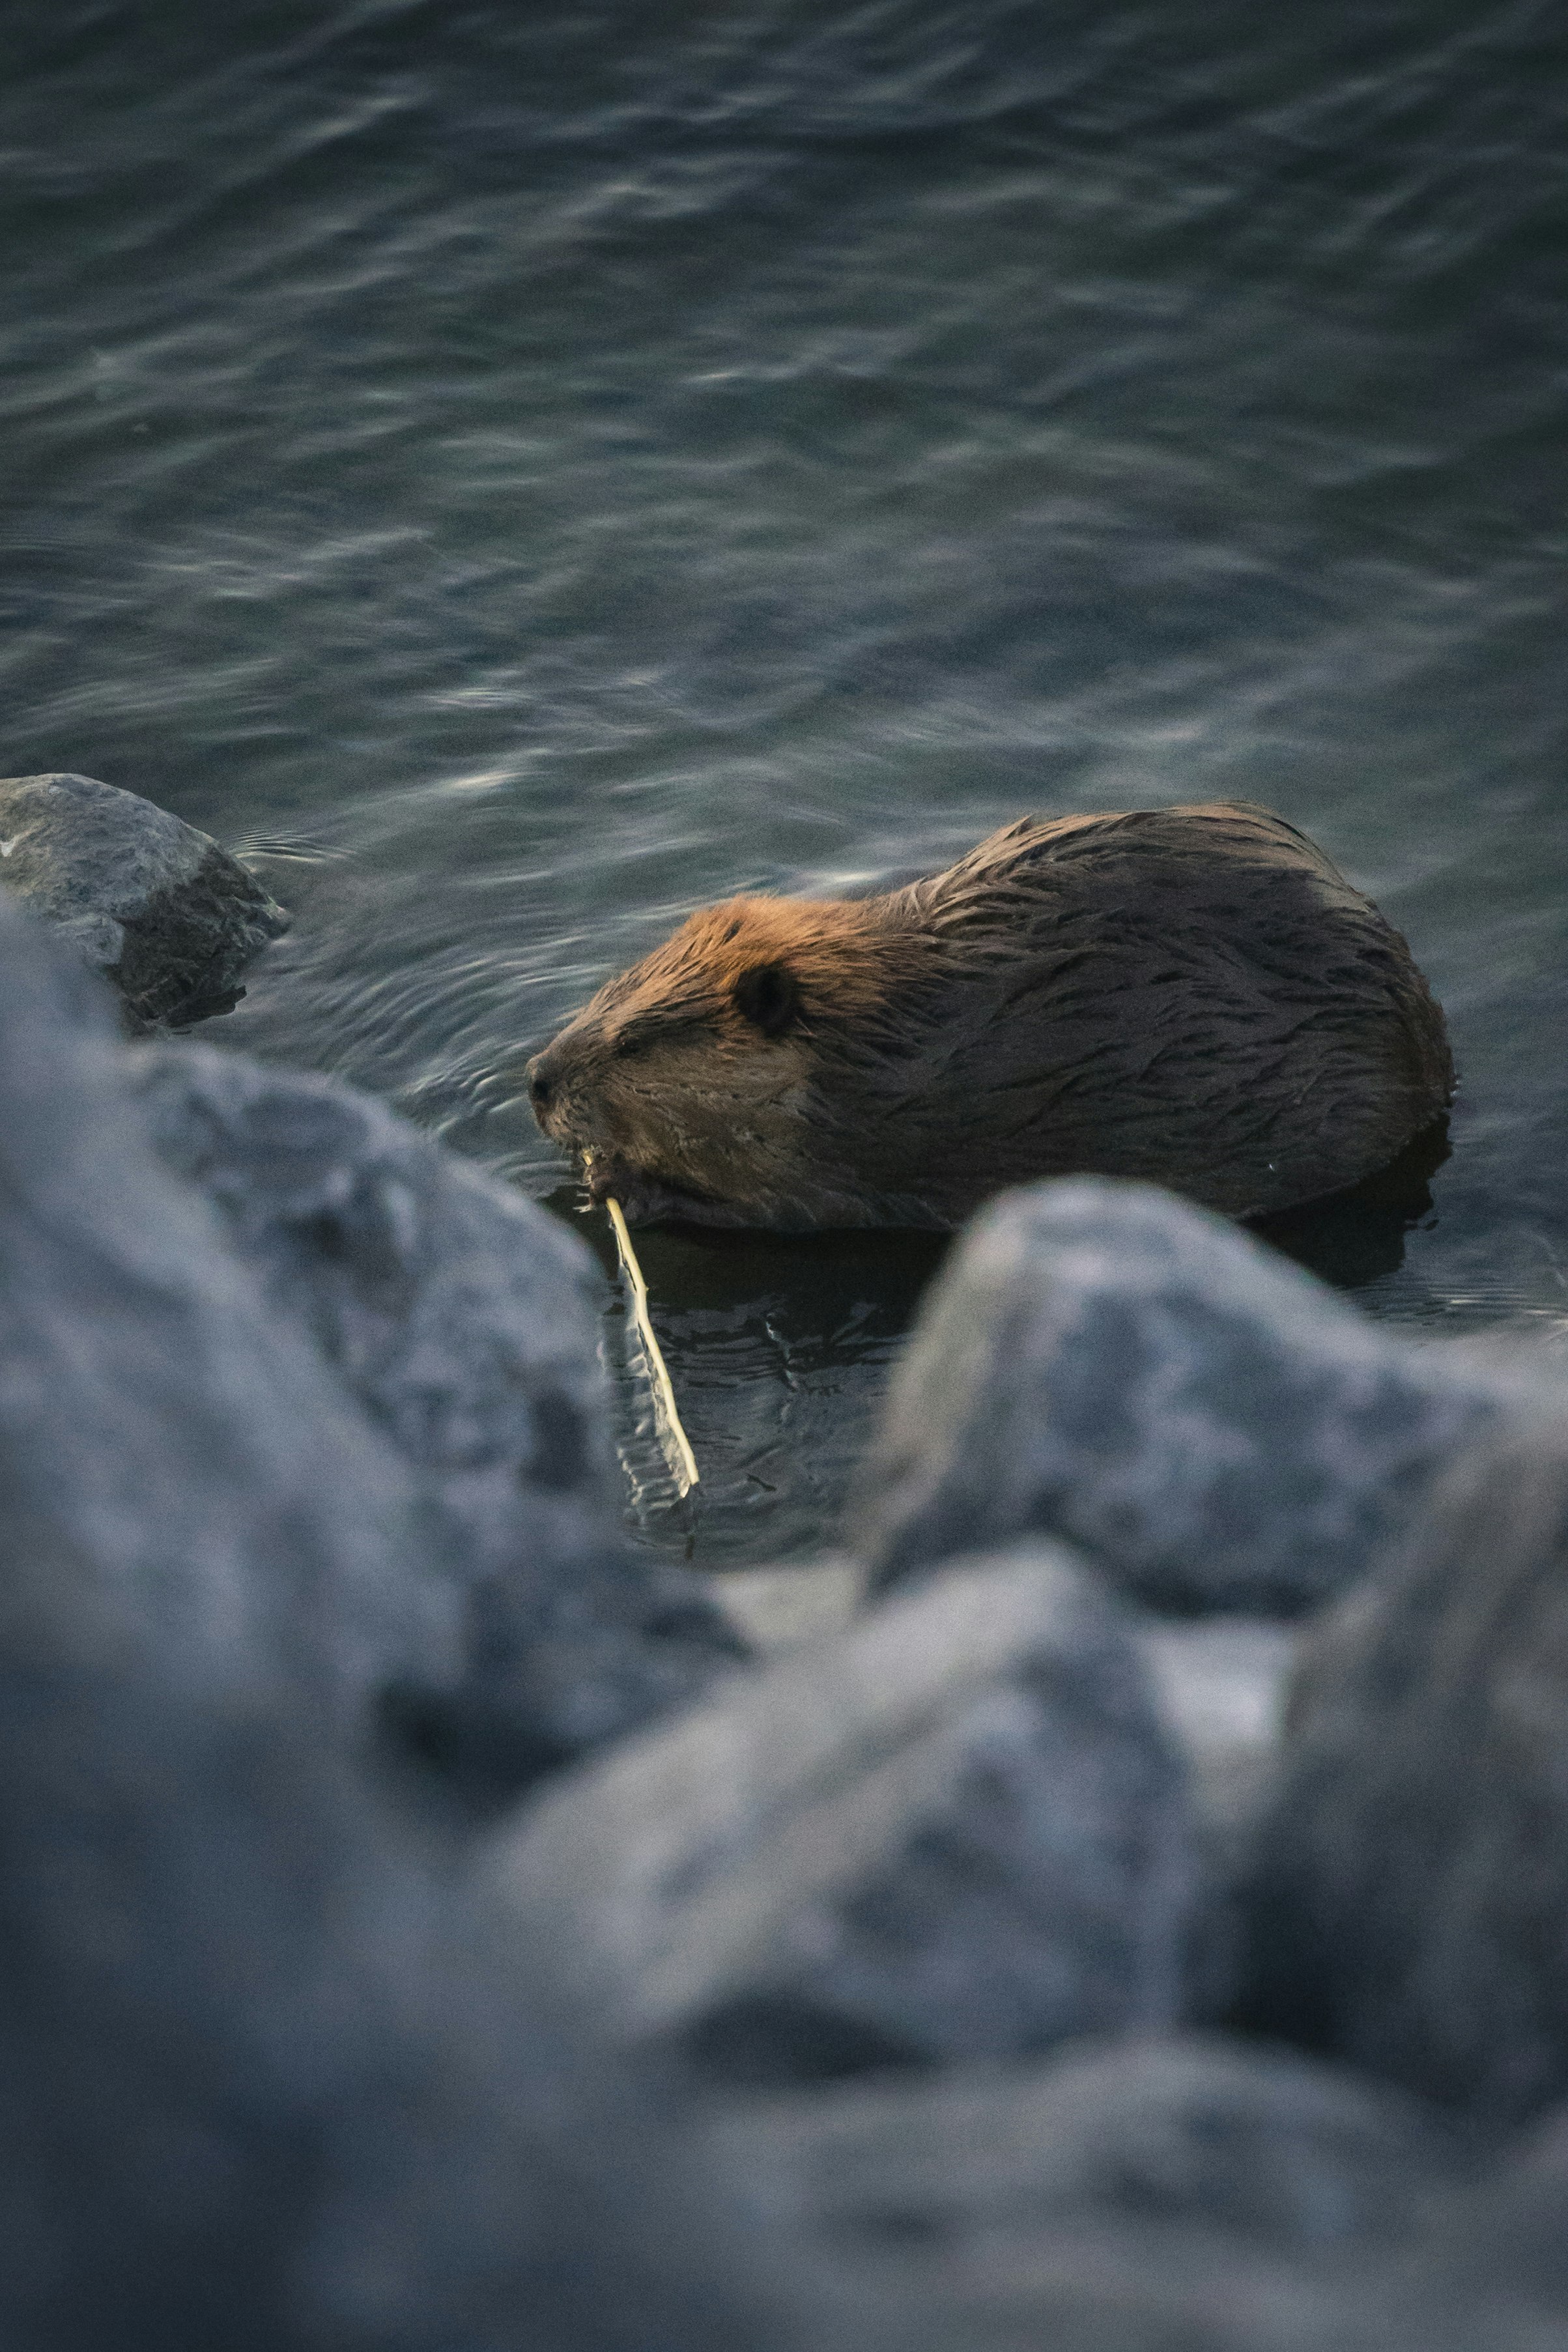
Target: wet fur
(1192,995)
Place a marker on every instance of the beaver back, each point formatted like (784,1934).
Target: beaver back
(1192,995)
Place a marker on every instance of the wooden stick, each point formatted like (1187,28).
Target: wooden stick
(677,1450)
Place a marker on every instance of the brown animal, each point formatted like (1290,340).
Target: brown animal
(1192,995)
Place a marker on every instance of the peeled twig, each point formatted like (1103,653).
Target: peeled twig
(677,1450)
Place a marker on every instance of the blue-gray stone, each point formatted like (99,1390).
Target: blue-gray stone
(1214,1428)
(159,908)
(1253,2143)
(271,2078)
(957,1829)
(1409,1902)
(160,1419)
(1509,2227)
(464,1321)
(1190,2193)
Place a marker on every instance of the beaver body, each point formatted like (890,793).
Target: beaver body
(1195,996)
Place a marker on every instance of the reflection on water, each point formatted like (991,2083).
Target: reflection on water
(778,1345)
(1357,1236)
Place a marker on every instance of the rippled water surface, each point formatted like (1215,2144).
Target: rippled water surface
(517,473)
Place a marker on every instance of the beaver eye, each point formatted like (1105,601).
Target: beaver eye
(768,997)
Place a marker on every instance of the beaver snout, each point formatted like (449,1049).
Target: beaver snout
(564,1097)
(541,1084)
(552,1090)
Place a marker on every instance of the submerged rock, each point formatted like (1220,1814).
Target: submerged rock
(1212,1426)
(1410,1904)
(159,908)
(463,1319)
(955,1829)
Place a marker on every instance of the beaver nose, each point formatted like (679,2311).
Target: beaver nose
(541,1085)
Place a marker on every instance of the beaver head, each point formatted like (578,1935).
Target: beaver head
(1190,995)
(691,1086)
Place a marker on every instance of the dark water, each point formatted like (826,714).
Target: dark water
(517,472)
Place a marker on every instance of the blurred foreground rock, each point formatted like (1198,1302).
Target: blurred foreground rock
(1255,2144)
(268,2085)
(1509,2227)
(727,2037)
(1190,2194)
(957,1829)
(323,1400)
(166,1433)
(265,2081)
(1213,1427)
(1410,1898)
(463,1319)
(159,908)
(1220,1687)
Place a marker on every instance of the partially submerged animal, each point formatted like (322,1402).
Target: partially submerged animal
(1191,995)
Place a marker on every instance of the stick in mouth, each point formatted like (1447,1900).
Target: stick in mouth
(671,1436)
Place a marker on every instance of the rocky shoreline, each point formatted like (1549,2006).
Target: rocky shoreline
(1121,1903)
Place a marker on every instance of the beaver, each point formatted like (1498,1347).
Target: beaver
(1194,995)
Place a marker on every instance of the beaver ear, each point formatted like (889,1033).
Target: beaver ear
(768,998)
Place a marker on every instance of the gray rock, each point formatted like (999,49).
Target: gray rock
(1410,1902)
(1152,2287)
(1220,1684)
(1209,1424)
(268,2080)
(164,913)
(1194,2194)
(463,1319)
(1509,2228)
(776,1607)
(1221,1687)
(267,2083)
(203,1468)
(955,1829)
(1246,2142)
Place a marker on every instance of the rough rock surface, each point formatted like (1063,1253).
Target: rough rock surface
(1117,2284)
(265,2084)
(957,1829)
(1509,2229)
(164,913)
(1257,2143)
(1196,2193)
(1211,1426)
(199,1462)
(1410,1903)
(1191,2194)
(462,1319)
(775,1607)
(1220,1685)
